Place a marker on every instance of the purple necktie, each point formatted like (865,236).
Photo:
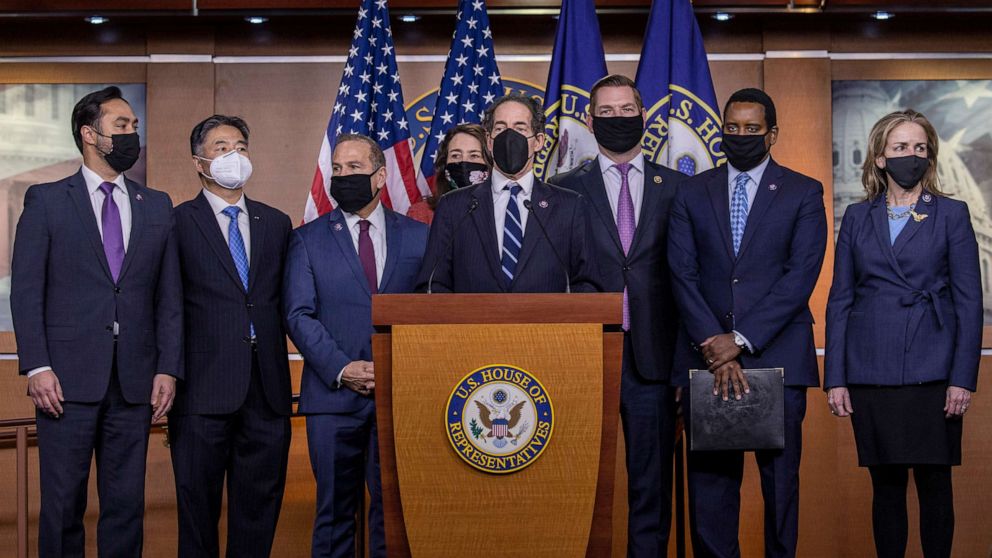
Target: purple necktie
(113,233)
(366,254)
(625,226)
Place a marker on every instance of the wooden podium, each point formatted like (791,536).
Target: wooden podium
(438,503)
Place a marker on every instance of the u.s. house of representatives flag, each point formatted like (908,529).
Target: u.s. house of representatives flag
(471,80)
(370,102)
(683,124)
(577,62)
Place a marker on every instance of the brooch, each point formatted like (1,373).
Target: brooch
(918,217)
(773,187)
(657,180)
(138,197)
(543,204)
(337,226)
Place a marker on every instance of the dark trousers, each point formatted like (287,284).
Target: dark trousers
(249,447)
(647,410)
(344,455)
(715,490)
(117,432)
(889,516)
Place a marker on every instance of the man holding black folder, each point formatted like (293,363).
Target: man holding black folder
(746,242)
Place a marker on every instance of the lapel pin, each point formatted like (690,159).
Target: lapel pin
(657,180)
(773,187)
(337,226)
(138,197)
(927,198)
(543,204)
(255,217)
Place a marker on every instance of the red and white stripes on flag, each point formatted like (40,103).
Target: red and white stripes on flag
(370,102)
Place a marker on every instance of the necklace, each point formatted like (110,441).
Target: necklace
(893,216)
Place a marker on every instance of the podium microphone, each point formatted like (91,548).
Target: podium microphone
(472,207)
(568,281)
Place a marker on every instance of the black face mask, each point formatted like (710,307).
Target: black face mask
(124,152)
(352,192)
(511,152)
(465,173)
(907,171)
(618,134)
(745,151)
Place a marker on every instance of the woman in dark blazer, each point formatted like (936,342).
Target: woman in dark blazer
(904,331)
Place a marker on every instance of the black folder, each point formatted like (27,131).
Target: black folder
(756,421)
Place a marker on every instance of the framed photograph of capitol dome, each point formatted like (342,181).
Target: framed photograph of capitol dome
(960,110)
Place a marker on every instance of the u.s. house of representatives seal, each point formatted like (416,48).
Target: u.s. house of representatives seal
(499,418)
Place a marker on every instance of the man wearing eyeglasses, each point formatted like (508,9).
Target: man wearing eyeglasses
(512,233)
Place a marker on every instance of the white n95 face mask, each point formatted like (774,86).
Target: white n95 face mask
(231,170)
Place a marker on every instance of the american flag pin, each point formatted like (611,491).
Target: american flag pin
(543,204)
(657,180)
(927,198)
(337,226)
(773,187)
(138,197)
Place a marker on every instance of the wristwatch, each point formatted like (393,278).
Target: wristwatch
(739,341)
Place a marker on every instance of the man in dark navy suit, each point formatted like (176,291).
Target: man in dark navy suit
(231,417)
(489,238)
(96,302)
(746,242)
(628,201)
(334,266)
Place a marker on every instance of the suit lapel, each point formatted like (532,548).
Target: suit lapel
(81,198)
(651,194)
(923,207)
(257,226)
(137,226)
(206,221)
(341,234)
(880,220)
(485,226)
(542,204)
(394,248)
(767,191)
(720,199)
(595,190)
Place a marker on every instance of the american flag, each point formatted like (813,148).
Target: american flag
(471,79)
(370,101)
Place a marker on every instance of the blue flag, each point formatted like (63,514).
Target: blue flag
(683,128)
(471,80)
(577,62)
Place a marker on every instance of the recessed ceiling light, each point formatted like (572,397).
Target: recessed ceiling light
(96,20)
(723,16)
(256,20)
(409,18)
(883,15)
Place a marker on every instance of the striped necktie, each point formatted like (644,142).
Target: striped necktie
(513,233)
(738,210)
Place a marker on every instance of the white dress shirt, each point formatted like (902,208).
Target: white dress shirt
(754,179)
(218,205)
(635,181)
(502,198)
(122,199)
(377,232)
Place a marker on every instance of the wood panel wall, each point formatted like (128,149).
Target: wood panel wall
(287,106)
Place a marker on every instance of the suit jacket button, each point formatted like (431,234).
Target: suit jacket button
(249,306)
(729,315)
(117,290)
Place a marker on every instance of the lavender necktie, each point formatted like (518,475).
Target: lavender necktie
(366,254)
(113,233)
(625,226)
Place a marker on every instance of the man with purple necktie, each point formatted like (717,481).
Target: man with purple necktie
(95,299)
(628,200)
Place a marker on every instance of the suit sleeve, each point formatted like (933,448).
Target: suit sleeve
(169,305)
(584,275)
(966,290)
(839,306)
(683,261)
(439,252)
(27,282)
(299,298)
(790,294)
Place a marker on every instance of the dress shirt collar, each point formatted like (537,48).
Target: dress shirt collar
(605,163)
(218,205)
(377,219)
(500,180)
(756,173)
(93,180)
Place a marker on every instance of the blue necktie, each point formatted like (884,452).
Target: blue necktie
(738,210)
(513,233)
(237,246)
